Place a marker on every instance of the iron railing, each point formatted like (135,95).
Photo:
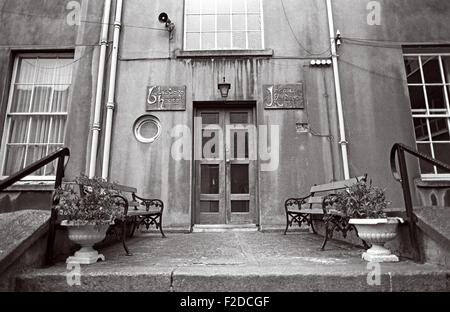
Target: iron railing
(401,175)
(60,155)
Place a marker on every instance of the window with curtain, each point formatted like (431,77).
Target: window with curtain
(223,25)
(428,77)
(36,115)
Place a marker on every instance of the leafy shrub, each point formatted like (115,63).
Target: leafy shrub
(99,205)
(361,201)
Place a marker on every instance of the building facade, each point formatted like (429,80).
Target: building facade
(311,99)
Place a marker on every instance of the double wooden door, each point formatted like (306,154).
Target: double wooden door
(225,166)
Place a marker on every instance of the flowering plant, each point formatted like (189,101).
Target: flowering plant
(89,200)
(361,201)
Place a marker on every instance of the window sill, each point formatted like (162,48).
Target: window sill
(35,186)
(223,53)
(432,183)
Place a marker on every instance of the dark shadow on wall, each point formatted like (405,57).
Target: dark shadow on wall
(25,200)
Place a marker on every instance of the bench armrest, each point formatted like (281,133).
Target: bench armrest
(125,203)
(328,201)
(150,202)
(299,201)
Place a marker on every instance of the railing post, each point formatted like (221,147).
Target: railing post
(409,205)
(51,238)
(59,155)
(54,214)
(59,171)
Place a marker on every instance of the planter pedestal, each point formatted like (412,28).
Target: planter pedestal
(378,253)
(86,255)
(377,232)
(86,235)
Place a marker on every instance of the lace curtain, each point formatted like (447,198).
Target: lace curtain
(37,114)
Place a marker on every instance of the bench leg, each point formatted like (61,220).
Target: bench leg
(366,246)
(312,224)
(124,235)
(289,220)
(135,221)
(328,232)
(160,226)
(287,224)
(298,218)
(325,238)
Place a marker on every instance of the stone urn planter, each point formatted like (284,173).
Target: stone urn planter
(88,207)
(85,234)
(377,232)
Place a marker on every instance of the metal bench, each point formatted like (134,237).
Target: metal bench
(137,210)
(318,204)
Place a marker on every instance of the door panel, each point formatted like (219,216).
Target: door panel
(240,164)
(225,172)
(210,170)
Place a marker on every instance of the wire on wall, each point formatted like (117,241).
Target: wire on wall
(295,37)
(374,42)
(45,45)
(59,67)
(81,21)
(382,75)
(312,129)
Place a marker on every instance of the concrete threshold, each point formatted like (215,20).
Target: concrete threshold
(221,228)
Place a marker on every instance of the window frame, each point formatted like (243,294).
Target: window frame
(261,13)
(428,113)
(7,120)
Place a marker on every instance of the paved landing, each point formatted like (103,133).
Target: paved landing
(237,261)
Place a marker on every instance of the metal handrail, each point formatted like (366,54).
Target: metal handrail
(60,154)
(401,175)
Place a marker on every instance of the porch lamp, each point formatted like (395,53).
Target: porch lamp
(224,87)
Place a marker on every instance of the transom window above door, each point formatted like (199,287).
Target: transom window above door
(223,25)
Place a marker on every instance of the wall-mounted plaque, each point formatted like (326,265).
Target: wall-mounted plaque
(283,96)
(166,98)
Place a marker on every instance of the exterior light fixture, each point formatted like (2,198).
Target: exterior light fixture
(224,87)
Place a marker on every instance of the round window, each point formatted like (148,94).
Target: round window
(147,128)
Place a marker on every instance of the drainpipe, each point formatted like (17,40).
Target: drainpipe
(337,85)
(98,96)
(112,90)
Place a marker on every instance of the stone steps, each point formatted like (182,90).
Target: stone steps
(237,278)
(237,262)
